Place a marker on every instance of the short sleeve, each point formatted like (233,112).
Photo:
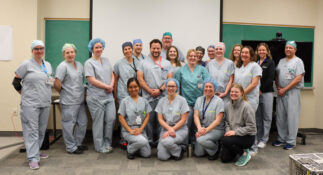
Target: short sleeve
(122,108)
(116,69)
(220,106)
(140,67)
(198,103)
(61,72)
(178,76)
(89,70)
(49,68)
(205,73)
(21,71)
(231,68)
(299,68)
(148,107)
(159,106)
(256,71)
(169,68)
(185,108)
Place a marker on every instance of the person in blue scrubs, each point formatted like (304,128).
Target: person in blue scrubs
(191,77)
(137,50)
(34,81)
(172,114)
(99,98)
(208,118)
(134,116)
(289,80)
(69,83)
(167,41)
(248,75)
(172,57)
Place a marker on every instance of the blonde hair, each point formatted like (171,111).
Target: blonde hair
(190,51)
(238,86)
(267,48)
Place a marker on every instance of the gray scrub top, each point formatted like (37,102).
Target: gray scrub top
(244,76)
(35,91)
(154,75)
(172,112)
(124,70)
(134,112)
(102,72)
(287,71)
(221,73)
(72,91)
(215,106)
(141,57)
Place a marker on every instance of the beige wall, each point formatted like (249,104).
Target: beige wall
(28,24)
(22,16)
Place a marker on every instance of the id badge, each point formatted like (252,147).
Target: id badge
(199,85)
(288,76)
(138,120)
(50,81)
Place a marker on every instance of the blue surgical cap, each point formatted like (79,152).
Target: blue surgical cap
(37,43)
(136,41)
(93,42)
(172,79)
(168,34)
(210,80)
(68,45)
(211,46)
(125,44)
(292,43)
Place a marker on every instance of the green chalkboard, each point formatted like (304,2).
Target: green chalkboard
(234,33)
(59,32)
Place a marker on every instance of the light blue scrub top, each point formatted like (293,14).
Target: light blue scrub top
(244,76)
(102,72)
(287,71)
(125,71)
(72,91)
(191,82)
(131,110)
(154,75)
(215,106)
(172,112)
(35,91)
(221,73)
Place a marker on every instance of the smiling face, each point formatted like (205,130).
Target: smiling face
(133,89)
(172,53)
(199,55)
(167,41)
(69,54)
(235,94)
(171,88)
(211,53)
(38,52)
(155,50)
(219,52)
(245,55)
(127,51)
(209,89)
(262,52)
(192,58)
(236,51)
(290,51)
(137,48)
(97,49)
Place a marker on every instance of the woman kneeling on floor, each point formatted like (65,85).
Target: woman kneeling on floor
(134,116)
(240,127)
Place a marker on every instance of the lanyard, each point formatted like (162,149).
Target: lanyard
(134,65)
(159,64)
(43,68)
(205,108)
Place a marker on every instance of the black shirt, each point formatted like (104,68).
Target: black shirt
(268,75)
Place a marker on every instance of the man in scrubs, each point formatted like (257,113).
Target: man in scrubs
(137,50)
(167,42)
(152,73)
(289,80)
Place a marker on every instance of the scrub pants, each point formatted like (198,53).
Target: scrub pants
(288,111)
(73,115)
(171,146)
(191,127)
(34,122)
(153,127)
(137,143)
(254,104)
(264,116)
(103,113)
(208,143)
(235,145)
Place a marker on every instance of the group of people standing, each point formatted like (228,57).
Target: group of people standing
(164,100)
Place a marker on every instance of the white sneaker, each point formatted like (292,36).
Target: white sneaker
(253,153)
(261,145)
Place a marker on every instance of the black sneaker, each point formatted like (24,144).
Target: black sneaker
(214,157)
(180,156)
(83,147)
(130,156)
(77,151)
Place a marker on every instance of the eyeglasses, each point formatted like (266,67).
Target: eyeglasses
(171,86)
(38,49)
